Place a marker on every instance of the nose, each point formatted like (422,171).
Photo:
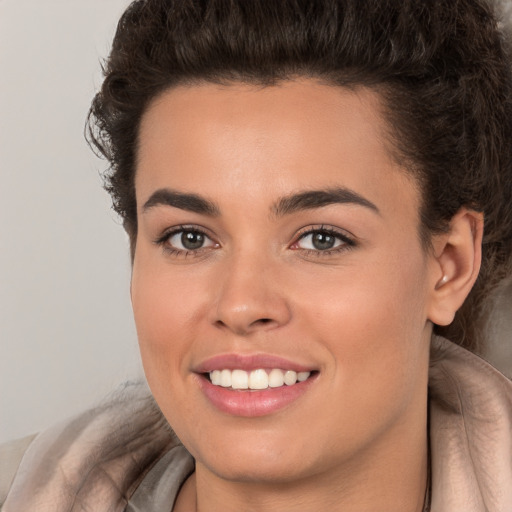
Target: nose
(250,298)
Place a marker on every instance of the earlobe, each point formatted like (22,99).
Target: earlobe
(456,263)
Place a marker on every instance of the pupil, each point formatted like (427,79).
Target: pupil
(192,240)
(323,241)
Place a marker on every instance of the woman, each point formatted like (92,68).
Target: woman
(305,186)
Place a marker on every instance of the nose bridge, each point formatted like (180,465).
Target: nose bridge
(249,296)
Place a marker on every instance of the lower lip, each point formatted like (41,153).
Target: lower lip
(253,403)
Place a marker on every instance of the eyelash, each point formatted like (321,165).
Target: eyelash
(347,242)
(172,251)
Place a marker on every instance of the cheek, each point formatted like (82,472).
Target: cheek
(168,307)
(372,321)
(373,329)
(165,318)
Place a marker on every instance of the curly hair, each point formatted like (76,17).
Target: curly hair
(442,68)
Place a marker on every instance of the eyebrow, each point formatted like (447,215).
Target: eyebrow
(183,201)
(312,199)
(307,200)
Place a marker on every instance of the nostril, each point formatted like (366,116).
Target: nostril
(245,328)
(261,321)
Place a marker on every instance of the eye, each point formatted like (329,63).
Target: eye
(323,240)
(319,240)
(188,240)
(184,240)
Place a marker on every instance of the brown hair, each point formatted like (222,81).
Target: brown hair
(442,68)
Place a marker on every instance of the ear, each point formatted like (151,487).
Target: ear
(456,260)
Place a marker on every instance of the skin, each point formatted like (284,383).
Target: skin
(361,316)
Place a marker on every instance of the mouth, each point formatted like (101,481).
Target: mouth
(254,385)
(256,380)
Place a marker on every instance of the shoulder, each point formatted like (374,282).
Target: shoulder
(11,454)
(94,460)
(463,382)
(470,431)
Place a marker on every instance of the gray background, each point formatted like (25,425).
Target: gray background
(66,332)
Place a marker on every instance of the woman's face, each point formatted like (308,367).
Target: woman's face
(276,233)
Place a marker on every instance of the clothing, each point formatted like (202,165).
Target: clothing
(122,456)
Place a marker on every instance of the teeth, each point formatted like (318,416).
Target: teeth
(290,378)
(225,378)
(257,379)
(215,377)
(275,378)
(239,379)
(302,376)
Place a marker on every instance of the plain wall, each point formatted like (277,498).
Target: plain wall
(66,332)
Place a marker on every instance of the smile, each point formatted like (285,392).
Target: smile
(253,385)
(256,379)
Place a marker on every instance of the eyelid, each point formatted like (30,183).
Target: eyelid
(347,239)
(168,232)
(172,231)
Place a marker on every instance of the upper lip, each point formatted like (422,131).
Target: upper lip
(249,362)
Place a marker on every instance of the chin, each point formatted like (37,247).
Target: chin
(262,470)
(260,457)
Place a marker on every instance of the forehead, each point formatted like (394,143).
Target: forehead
(243,139)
